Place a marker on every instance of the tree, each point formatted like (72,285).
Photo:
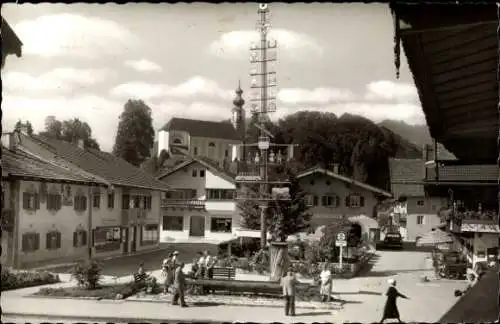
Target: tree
(27,127)
(70,130)
(135,135)
(155,163)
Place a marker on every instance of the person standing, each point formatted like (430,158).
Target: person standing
(207,260)
(179,286)
(167,272)
(391,309)
(288,283)
(200,265)
(326,283)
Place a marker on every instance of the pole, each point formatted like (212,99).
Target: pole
(341,256)
(90,240)
(263,113)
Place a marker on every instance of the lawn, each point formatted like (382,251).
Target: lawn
(127,265)
(103,292)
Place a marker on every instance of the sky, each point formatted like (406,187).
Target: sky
(185,60)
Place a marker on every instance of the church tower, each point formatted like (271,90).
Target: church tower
(238,118)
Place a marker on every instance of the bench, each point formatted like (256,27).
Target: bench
(227,273)
(243,286)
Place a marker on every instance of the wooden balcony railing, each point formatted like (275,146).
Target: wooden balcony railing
(186,203)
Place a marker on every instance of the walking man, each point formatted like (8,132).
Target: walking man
(288,283)
(391,309)
(179,286)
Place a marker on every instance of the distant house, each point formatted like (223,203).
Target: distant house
(57,189)
(201,206)
(11,44)
(417,212)
(333,197)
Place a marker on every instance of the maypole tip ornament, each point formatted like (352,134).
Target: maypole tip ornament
(262,6)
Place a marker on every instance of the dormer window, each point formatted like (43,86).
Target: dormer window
(177,141)
(211,144)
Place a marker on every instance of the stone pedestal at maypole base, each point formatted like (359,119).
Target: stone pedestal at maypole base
(279,262)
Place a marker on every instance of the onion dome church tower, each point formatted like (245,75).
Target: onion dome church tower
(238,118)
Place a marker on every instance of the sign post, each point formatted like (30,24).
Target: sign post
(341,243)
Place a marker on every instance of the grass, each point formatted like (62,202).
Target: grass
(102,292)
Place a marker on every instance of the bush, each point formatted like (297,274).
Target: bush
(16,280)
(101,292)
(87,274)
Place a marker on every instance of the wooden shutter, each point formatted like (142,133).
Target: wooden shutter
(84,205)
(141,229)
(361,201)
(75,204)
(84,237)
(315,200)
(36,198)
(75,239)
(337,201)
(24,244)
(324,200)
(92,238)
(26,200)
(347,202)
(125,201)
(37,241)
(58,236)
(47,241)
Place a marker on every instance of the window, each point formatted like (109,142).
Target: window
(182,194)
(221,225)
(80,203)
(177,141)
(125,202)
(202,173)
(309,200)
(54,202)
(195,152)
(221,194)
(173,223)
(226,153)
(111,200)
(136,202)
(53,240)
(211,144)
(149,234)
(420,203)
(420,220)
(148,202)
(311,182)
(330,201)
(79,238)
(96,201)
(30,242)
(355,201)
(31,201)
(328,182)
(194,173)
(104,235)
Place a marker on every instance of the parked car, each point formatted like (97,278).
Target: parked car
(393,240)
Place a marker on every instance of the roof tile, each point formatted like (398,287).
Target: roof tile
(203,128)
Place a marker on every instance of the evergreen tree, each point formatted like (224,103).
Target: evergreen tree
(135,134)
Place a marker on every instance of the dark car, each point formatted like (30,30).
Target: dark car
(393,240)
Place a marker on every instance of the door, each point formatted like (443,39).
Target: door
(134,240)
(197,226)
(125,240)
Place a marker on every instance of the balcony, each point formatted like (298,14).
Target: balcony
(473,221)
(249,172)
(183,203)
(133,216)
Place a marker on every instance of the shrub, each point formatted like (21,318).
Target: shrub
(101,292)
(87,274)
(242,263)
(23,279)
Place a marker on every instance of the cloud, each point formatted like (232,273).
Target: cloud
(195,86)
(85,106)
(391,91)
(59,79)
(143,65)
(315,96)
(73,35)
(236,44)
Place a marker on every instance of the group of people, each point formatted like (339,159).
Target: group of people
(175,280)
(203,265)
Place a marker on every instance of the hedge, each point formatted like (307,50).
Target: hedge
(24,279)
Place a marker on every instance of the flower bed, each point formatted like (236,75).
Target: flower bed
(24,279)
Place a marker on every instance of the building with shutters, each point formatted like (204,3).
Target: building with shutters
(63,202)
(333,197)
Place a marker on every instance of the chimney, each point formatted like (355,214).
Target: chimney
(80,144)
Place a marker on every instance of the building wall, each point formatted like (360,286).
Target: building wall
(163,141)
(482,242)
(222,150)
(184,179)
(427,207)
(7,238)
(321,184)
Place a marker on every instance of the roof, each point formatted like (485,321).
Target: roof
(206,162)
(11,44)
(115,170)
(478,305)
(406,177)
(329,173)
(452,52)
(467,173)
(20,164)
(203,128)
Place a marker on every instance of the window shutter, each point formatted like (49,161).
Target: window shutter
(141,228)
(84,207)
(324,201)
(75,203)
(125,201)
(84,237)
(26,200)
(337,201)
(92,238)
(58,235)
(47,241)
(361,201)
(75,239)
(36,198)
(24,244)
(347,201)
(315,200)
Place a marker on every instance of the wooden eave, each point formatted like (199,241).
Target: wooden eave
(49,180)
(452,51)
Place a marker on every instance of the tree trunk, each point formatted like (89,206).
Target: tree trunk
(279,259)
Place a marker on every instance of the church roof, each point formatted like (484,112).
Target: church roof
(202,128)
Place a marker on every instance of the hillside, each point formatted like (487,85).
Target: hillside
(415,134)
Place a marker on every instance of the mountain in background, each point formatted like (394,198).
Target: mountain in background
(417,135)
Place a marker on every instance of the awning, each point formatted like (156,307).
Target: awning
(435,237)
(480,304)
